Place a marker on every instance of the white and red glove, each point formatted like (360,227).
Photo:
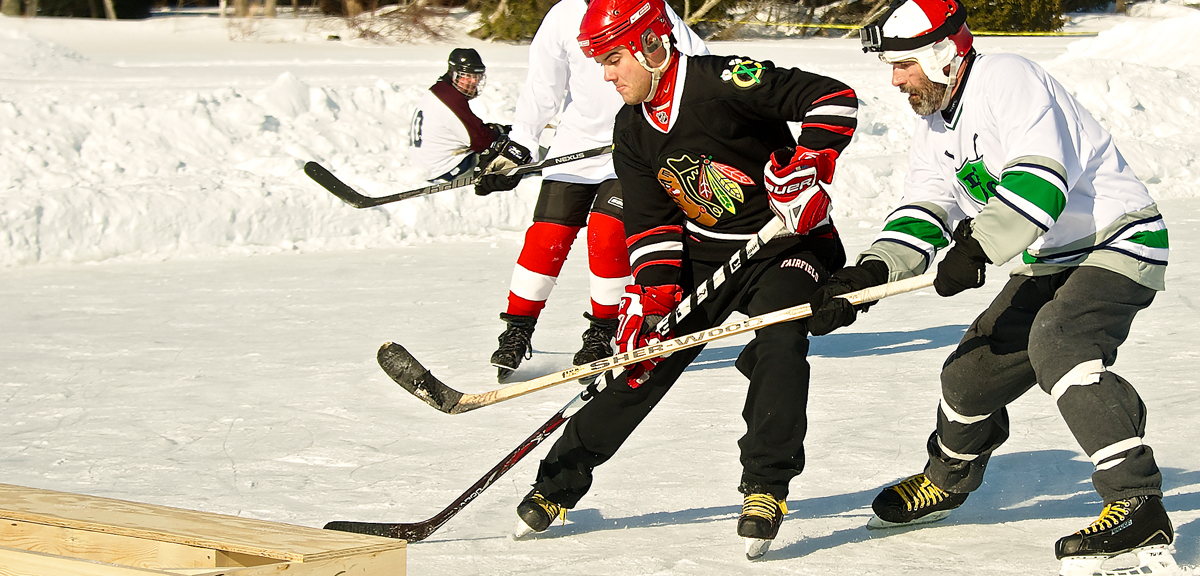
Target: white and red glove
(792,178)
(642,307)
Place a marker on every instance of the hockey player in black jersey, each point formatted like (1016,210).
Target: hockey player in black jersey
(705,158)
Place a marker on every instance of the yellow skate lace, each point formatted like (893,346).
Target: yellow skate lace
(763,506)
(552,509)
(1112,515)
(918,492)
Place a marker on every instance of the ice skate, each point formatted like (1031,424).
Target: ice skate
(759,523)
(515,344)
(536,514)
(597,343)
(1136,527)
(914,500)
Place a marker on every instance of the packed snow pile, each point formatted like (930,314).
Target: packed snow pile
(144,157)
(1142,81)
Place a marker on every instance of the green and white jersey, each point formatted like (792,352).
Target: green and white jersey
(1038,174)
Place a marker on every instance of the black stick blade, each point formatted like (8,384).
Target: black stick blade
(408,532)
(338,188)
(401,367)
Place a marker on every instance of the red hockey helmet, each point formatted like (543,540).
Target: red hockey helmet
(934,33)
(639,25)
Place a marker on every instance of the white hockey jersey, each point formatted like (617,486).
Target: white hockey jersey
(562,78)
(1037,173)
(439,140)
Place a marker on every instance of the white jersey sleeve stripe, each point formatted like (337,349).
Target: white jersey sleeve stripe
(844,111)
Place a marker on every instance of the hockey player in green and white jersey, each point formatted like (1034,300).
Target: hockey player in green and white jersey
(1006,163)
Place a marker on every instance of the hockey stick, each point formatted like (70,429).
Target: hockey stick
(417,531)
(410,375)
(352,197)
(420,530)
(401,367)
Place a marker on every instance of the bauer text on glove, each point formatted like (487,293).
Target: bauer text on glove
(792,178)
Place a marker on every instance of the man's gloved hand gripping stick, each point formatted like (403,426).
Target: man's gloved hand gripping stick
(352,197)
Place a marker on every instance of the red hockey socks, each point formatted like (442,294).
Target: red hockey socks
(542,257)
(608,263)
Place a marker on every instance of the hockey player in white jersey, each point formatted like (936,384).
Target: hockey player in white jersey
(573,195)
(447,137)
(1006,163)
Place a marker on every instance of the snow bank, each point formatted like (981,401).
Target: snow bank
(1141,80)
(181,148)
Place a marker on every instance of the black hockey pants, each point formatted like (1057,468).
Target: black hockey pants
(1061,332)
(772,450)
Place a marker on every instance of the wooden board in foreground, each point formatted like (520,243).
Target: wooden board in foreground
(48,533)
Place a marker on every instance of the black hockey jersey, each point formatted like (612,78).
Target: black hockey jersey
(696,189)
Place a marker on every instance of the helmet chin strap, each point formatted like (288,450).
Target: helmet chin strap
(656,72)
(952,82)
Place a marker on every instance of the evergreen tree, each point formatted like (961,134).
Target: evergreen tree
(511,19)
(1014,15)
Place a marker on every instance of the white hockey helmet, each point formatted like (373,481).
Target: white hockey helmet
(933,33)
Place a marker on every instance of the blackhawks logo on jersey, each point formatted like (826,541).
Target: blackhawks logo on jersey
(703,189)
(743,73)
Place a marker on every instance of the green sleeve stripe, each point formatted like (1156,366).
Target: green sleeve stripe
(918,228)
(1046,196)
(1155,239)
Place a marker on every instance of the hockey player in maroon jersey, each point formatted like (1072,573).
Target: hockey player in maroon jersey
(705,158)
(447,137)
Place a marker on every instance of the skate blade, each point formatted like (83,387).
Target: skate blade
(522,531)
(502,373)
(877,523)
(756,548)
(1151,560)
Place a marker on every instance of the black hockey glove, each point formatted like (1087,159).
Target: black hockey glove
(831,312)
(963,266)
(502,155)
(500,130)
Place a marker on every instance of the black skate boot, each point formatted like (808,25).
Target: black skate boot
(914,500)
(759,523)
(597,343)
(1139,525)
(536,513)
(514,344)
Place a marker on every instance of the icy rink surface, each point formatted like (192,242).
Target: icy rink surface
(247,386)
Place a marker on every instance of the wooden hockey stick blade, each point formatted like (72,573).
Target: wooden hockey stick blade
(353,197)
(412,376)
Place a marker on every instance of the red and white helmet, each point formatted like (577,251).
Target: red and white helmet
(932,32)
(639,25)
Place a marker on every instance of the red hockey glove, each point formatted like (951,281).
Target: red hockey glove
(642,307)
(791,178)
